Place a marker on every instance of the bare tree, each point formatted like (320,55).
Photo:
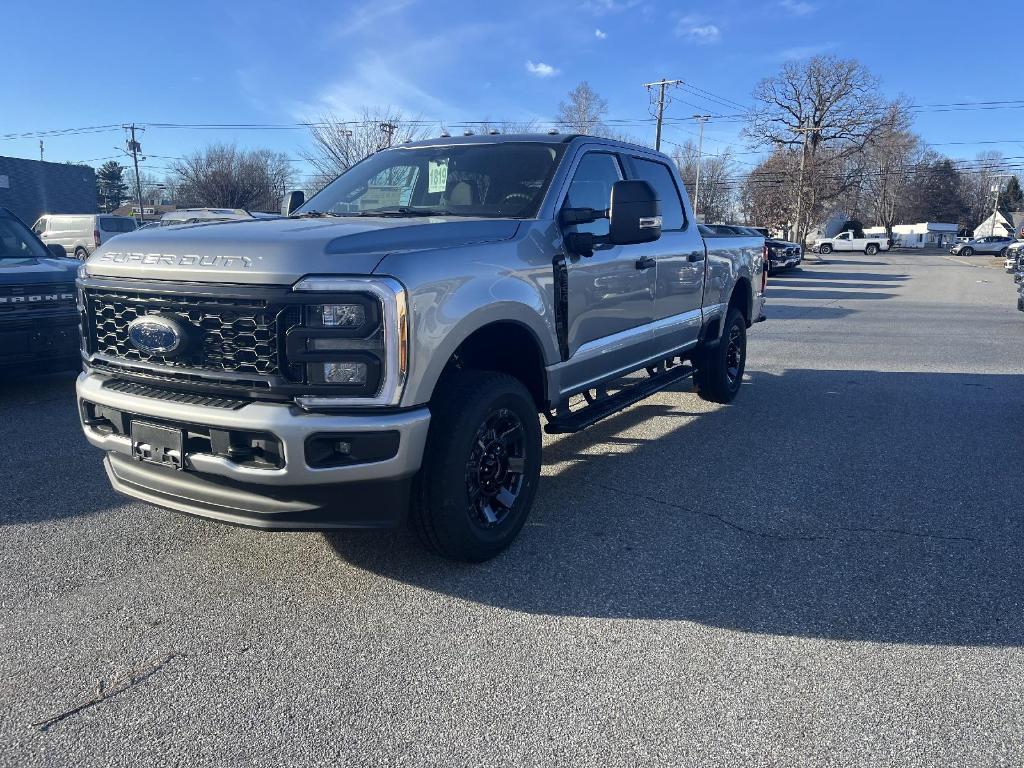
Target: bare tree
(583,111)
(976,183)
(829,110)
(224,176)
(715,199)
(893,154)
(339,144)
(510,126)
(767,196)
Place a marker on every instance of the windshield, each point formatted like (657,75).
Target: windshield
(502,180)
(18,242)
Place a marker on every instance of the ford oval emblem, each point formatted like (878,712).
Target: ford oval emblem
(156,335)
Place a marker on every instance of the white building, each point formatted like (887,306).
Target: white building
(928,234)
(1002,224)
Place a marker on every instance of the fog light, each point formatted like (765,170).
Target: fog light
(343,315)
(346,373)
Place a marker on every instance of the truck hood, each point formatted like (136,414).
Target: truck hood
(281,251)
(33,271)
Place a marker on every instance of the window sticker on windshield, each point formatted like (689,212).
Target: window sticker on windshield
(437,179)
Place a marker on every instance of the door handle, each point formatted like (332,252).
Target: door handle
(645,262)
(695,256)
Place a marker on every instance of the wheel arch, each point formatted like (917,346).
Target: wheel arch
(508,344)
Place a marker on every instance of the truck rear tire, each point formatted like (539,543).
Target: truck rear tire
(720,366)
(480,468)
(871,250)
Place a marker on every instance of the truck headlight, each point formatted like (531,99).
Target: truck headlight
(353,343)
(340,315)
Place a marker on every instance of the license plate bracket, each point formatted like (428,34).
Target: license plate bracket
(157,444)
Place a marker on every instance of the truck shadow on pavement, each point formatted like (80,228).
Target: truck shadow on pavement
(848,505)
(48,469)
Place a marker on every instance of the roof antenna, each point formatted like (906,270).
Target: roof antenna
(553,132)
(467,132)
(494,132)
(445,135)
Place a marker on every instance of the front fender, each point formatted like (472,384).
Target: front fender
(480,287)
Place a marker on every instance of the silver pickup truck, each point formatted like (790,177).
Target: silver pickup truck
(382,353)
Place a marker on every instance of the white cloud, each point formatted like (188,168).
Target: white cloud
(366,16)
(599,34)
(601,7)
(540,69)
(798,7)
(698,30)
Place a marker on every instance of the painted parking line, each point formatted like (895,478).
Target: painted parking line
(971,264)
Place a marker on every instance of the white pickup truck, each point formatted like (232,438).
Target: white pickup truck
(845,241)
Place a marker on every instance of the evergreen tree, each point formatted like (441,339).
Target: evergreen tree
(1012,198)
(110,186)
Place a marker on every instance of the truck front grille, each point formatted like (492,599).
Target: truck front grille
(227,335)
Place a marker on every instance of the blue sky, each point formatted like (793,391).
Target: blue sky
(91,64)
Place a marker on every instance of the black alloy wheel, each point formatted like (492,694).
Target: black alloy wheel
(481,465)
(495,467)
(735,355)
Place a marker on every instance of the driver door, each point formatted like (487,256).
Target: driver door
(611,293)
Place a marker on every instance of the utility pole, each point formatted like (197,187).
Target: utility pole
(806,131)
(997,188)
(389,130)
(700,152)
(661,85)
(40,150)
(134,148)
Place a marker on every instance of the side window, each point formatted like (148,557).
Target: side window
(39,227)
(591,187)
(659,176)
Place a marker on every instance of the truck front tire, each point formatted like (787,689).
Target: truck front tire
(825,249)
(719,367)
(480,468)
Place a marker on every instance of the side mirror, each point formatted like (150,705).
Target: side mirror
(292,202)
(57,250)
(634,215)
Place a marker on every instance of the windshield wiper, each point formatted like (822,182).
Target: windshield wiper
(403,210)
(315,214)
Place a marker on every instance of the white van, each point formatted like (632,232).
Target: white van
(81,234)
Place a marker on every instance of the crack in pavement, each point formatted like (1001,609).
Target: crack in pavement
(792,537)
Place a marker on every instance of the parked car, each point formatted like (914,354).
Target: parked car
(1014,254)
(992,244)
(781,254)
(203,215)
(1020,295)
(382,353)
(81,234)
(848,241)
(38,308)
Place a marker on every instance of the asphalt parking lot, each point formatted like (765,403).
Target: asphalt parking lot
(826,572)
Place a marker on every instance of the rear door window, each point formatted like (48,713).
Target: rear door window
(660,177)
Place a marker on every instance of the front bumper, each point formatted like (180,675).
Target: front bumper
(291,495)
(44,343)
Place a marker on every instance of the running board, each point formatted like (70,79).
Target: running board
(603,407)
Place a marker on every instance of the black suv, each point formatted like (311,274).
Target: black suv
(38,310)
